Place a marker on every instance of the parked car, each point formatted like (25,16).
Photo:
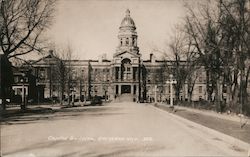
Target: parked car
(96,100)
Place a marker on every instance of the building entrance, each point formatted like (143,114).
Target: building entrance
(125,89)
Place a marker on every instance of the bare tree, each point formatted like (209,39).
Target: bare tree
(63,71)
(220,34)
(235,23)
(177,67)
(191,80)
(22,24)
(183,64)
(200,32)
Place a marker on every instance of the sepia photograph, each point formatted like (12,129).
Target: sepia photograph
(124,78)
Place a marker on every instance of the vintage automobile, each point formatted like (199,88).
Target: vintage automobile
(96,100)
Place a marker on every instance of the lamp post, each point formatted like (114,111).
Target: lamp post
(155,94)
(85,93)
(171,81)
(38,93)
(72,95)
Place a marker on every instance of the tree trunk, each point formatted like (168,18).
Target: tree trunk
(218,95)
(235,95)
(189,97)
(229,97)
(3,98)
(209,93)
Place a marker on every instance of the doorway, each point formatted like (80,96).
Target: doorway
(125,89)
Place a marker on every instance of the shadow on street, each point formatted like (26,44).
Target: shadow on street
(46,114)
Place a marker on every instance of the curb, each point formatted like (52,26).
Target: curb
(226,138)
(213,114)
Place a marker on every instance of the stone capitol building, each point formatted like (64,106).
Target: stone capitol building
(125,74)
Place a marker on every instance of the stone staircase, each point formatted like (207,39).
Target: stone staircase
(125,98)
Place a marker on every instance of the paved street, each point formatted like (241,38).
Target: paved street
(116,129)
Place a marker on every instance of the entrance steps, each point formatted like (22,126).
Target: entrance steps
(125,98)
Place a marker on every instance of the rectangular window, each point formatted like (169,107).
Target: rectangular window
(200,79)
(116,89)
(116,73)
(16,80)
(42,74)
(53,88)
(134,73)
(200,89)
(134,89)
(200,98)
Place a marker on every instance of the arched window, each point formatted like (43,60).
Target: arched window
(127,42)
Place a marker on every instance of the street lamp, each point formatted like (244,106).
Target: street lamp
(171,81)
(155,90)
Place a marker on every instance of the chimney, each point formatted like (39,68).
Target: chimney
(152,58)
(100,59)
(151,55)
(104,56)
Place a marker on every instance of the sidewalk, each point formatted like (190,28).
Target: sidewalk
(231,117)
(231,125)
(16,111)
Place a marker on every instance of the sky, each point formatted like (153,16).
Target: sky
(91,27)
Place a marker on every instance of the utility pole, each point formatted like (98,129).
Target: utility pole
(171,81)
(89,80)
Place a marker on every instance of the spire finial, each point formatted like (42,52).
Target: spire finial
(127,12)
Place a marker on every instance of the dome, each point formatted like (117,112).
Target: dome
(128,21)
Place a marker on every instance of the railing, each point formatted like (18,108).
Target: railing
(126,80)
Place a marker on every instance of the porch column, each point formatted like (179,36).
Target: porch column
(137,90)
(131,74)
(136,73)
(119,72)
(132,89)
(113,74)
(120,89)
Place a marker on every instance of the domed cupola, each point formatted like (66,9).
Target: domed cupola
(127,21)
(127,35)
